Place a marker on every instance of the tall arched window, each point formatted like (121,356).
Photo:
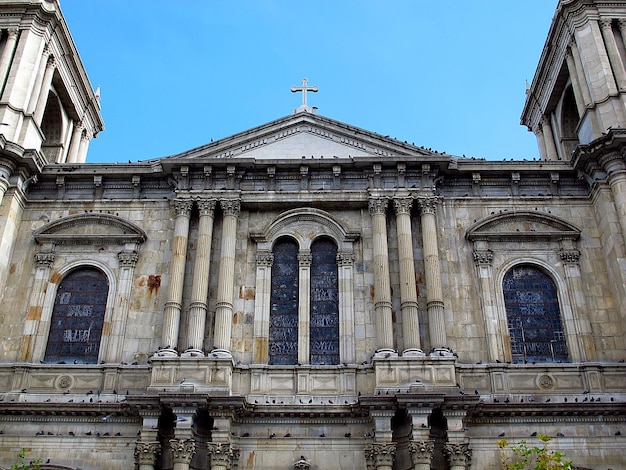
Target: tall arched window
(533,316)
(78,317)
(324,322)
(283,346)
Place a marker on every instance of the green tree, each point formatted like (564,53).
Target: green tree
(524,457)
(22,465)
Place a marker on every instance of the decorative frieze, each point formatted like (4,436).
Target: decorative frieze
(146,452)
(264,259)
(182,450)
(458,454)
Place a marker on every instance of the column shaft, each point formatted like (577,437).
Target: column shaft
(200,288)
(260,349)
(304,307)
(382,289)
(408,289)
(7,55)
(548,136)
(72,156)
(573,73)
(34,96)
(173,305)
(432,271)
(42,100)
(224,309)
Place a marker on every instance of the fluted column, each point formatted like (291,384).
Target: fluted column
(380,456)
(34,98)
(7,53)
(44,261)
(483,258)
(200,288)
(304,306)
(432,271)
(182,452)
(77,132)
(222,455)
(146,454)
(173,306)
(421,454)
(548,136)
(611,48)
(224,308)
(408,290)
(459,455)
(45,89)
(382,289)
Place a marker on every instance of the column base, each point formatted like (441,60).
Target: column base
(442,352)
(191,352)
(166,352)
(413,352)
(385,353)
(217,353)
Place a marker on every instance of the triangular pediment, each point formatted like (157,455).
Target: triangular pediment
(304,135)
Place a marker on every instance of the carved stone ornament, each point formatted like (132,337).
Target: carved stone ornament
(221,454)
(377,206)
(146,452)
(264,258)
(44,259)
(458,454)
(182,450)
(570,256)
(345,259)
(546,382)
(380,454)
(301,464)
(402,205)
(206,206)
(421,451)
(182,206)
(305,259)
(427,205)
(483,257)
(231,207)
(128,259)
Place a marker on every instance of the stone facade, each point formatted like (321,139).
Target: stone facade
(307,294)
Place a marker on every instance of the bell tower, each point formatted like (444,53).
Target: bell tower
(579,89)
(46,101)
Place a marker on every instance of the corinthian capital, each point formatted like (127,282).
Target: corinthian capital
(381,454)
(377,205)
(206,206)
(402,205)
(482,257)
(458,454)
(222,454)
(146,452)
(182,450)
(427,205)
(421,452)
(231,206)
(182,206)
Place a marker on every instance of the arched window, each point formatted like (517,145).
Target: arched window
(533,316)
(284,304)
(324,323)
(77,317)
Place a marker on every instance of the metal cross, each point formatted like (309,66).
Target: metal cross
(304,88)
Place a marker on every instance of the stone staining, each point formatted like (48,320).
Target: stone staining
(324,304)
(283,348)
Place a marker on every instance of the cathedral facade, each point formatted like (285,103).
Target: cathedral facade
(307,294)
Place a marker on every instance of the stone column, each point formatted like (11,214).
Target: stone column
(173,306)
(614,165)
(580,73)
(548,136)
(421,454)
(382,289)
(43,260)
(7,52)
(483,258)
(345,265)
(32,104)
(459,455)
(408,290)
(42,100)
(113,352)
(146,454)
(224,309)
(611,49)
(82,147)
(577,325)
(182,452)
(304,306)
(576,85)
(380,456)
(77,132)
(260,348)
(432,271)
(200,288)
(222,455)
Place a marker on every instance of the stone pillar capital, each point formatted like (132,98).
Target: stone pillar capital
(231,207)
(381,455)
(128,259)
(182,206)
(305,258)
(570,256)
(427,204)
(13,32)
(605,23)
(483,257)
(402,205)
(421,452)
(301,464)
(222,454)
(206,206)
(182,450)
(146,452)
(264,258)
(458,454)
(44,259)
(51,63)
(377,205)
(345,258)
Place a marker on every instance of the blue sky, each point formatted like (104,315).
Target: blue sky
(447,74)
